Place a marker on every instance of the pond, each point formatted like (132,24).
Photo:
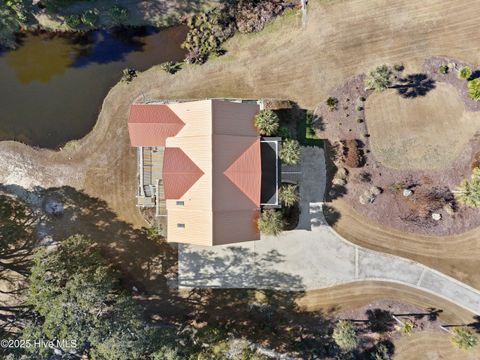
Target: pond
(52,86)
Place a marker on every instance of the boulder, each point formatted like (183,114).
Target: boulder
(407,192)
(437,216)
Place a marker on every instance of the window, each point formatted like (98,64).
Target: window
(180,203)
(181,226)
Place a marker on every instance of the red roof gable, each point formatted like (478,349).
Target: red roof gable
(246,172)
(152,124)
(179,173)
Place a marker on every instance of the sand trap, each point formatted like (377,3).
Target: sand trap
(426,132)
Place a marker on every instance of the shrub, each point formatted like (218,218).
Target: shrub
(352,153)
(443,69)
(90,17)
(474,89)
(288,194)
(73,21)
(381,353)
(464,338)
(128,75)
(345,335)
(406,327)
(284,133)
(380,78)
(170,67)
(9,25)
(270,222)
(290,152)
(267,122)
(468,193)
(207,33)
(464,73)
(398,67)
(118,14)
(252,15)
(332,103)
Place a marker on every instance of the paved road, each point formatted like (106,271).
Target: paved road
(311,257)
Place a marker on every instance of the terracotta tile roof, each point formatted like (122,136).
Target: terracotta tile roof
(179,173)
(246,172)
(152,124)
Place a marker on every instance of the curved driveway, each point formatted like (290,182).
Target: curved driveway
(311,257)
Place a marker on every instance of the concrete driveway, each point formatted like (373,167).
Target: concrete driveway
(311,257)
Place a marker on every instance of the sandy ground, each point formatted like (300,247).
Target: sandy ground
(417,133)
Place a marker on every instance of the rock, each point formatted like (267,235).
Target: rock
(362,199)
(370,195)
(407,192)
(341,173)
(339,181)
(437,216)
(375,190)
(53,207)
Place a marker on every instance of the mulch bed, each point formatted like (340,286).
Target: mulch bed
(391,208)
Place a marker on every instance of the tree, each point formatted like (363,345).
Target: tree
(267,122)
(77,296)
(474,89)
(464,73)
(345,335)
(290,151)
(381,353)
(9,25)
(270,222)
(464,338)
(288,194)
(380,78)
(468,193)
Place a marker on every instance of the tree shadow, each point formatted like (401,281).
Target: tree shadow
(380,320)
(414,85)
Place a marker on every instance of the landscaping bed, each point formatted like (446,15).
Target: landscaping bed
(410,199)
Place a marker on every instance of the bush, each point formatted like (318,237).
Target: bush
(290,152)
(90,17)
(464,338)
(207,33)
(443,69)
(73,21)
(270,222)
(170,67)
(345,335)
(332,103)
(9,25)
(464,73)
(267,122)
(118,14)
(474,89)
(252,15)
(352,153)
(468,193)
(128,75)
(380,78)
(288,194)
(284,133)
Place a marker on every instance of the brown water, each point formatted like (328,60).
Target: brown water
(52,87)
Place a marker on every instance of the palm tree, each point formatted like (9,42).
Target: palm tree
(288,194)
(464,73)
(270,222)
(345,335)
(290,152)
(464,338)
(380,78)
(468,193)
(474,89)
(267,122)
(404,327)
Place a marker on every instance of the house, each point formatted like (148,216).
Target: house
(203,165)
